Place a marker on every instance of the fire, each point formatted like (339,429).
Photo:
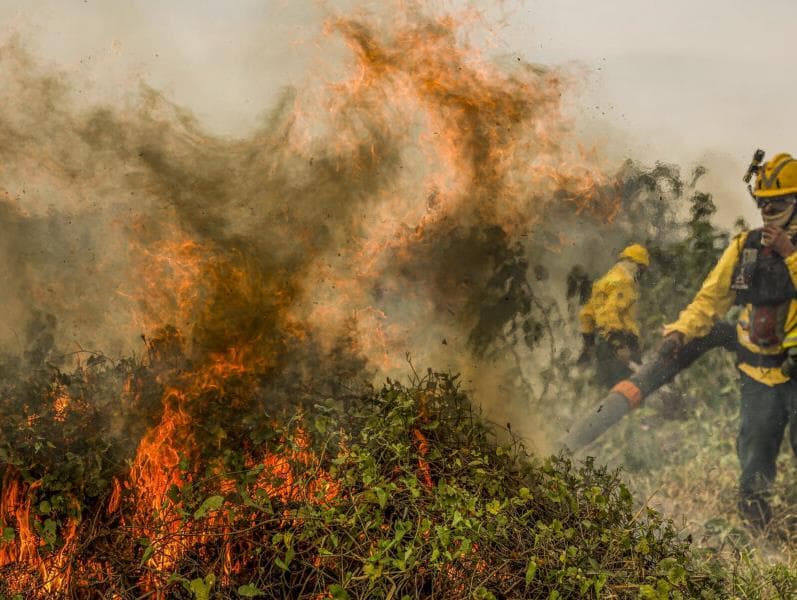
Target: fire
(169,272)
(155,470)
(367,222)
(48,571)
(61,403)
(475,145)
(166,462)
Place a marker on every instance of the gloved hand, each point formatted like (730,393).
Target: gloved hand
(587,350)
(625,346)
(671,344)
(776,238)
(623,353)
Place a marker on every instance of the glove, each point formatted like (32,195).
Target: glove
(623,353)
(625,346)
(588,349)
(671,344)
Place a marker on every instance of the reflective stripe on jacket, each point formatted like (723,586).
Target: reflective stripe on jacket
(715,298)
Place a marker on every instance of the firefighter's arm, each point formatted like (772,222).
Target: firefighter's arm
(713,299)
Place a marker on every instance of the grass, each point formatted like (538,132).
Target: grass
(688,470)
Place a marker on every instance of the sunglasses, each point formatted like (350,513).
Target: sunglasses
(777,203)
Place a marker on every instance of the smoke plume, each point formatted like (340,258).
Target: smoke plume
(393,212)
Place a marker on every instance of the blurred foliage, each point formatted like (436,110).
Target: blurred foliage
(680,266)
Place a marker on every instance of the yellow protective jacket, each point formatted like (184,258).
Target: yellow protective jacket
(714,300)
(612,306)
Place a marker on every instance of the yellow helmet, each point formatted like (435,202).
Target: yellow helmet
(777,177)
(636,253)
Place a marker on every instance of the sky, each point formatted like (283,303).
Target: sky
(677,80)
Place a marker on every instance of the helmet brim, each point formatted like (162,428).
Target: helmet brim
(774,193)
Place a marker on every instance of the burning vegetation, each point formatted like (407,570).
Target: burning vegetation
(257,289)
(400,492)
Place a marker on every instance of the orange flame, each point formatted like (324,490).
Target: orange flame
(464,143)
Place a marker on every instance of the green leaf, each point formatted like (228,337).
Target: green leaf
(210,504)
(148,552)
(49,532)
(600,582)
(531,570)
(642,547)
(9,534)
(381,496)
(648,592)
(337,592)
(443,534)
(493,507)
(289,554)
(465,547)
(285,563)
(173,493)
(200,588)
(676,575)
(45,508)
(250,591)
(372,571)
(483,593)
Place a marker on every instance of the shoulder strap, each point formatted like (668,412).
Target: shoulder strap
(754,238)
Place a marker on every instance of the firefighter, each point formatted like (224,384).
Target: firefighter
(609,326)
(758,272)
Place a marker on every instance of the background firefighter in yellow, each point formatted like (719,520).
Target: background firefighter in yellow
(609,325)
(758,271)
